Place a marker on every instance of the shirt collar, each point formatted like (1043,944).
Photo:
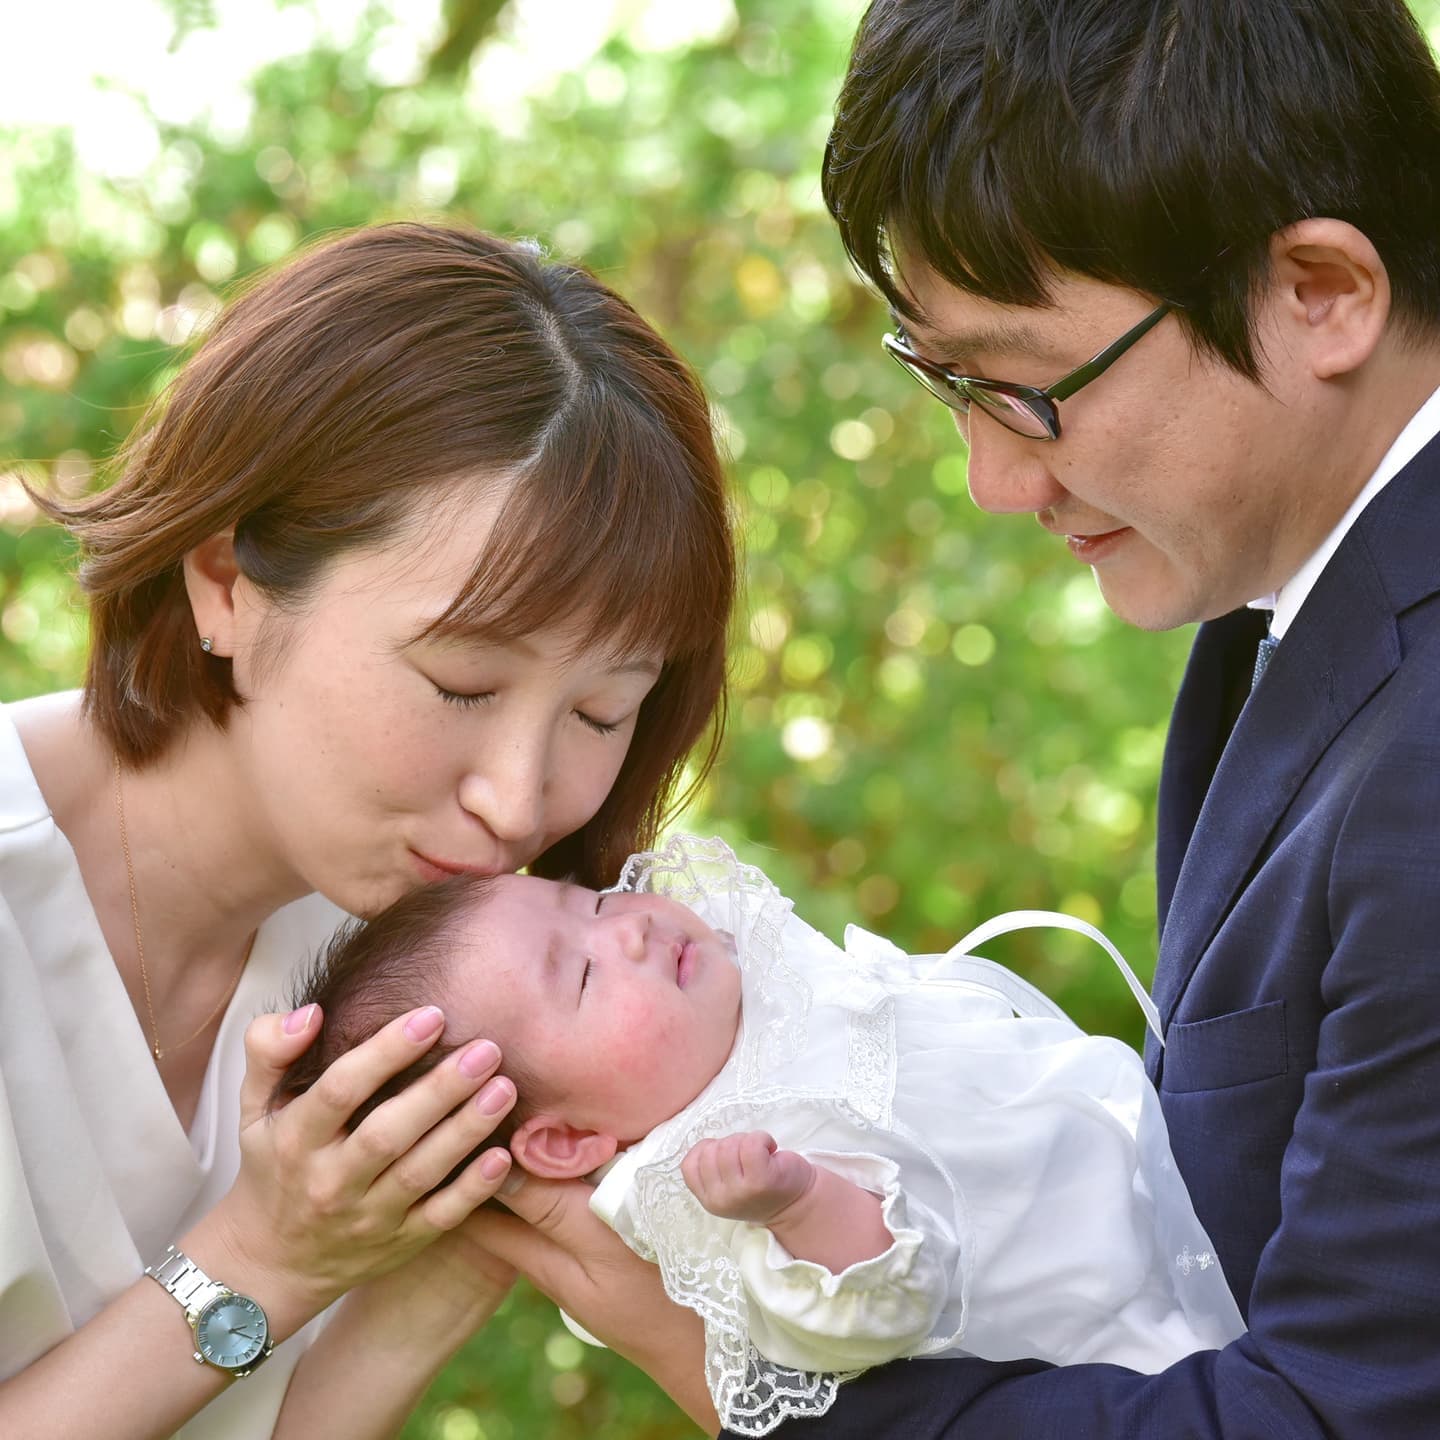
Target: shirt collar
(1424,425)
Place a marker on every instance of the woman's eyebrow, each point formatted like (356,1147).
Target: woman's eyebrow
(643,665)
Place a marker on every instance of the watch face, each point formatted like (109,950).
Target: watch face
(231,1332)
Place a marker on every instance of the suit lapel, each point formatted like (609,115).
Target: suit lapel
(1342,647)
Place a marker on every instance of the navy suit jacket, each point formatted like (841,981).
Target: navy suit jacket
(1299,986)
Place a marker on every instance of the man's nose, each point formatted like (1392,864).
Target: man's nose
(1006,473)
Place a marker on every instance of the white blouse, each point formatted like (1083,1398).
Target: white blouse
(97,1176)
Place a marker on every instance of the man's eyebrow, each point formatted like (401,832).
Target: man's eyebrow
(1003,337)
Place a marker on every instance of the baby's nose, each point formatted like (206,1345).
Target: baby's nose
(629,935)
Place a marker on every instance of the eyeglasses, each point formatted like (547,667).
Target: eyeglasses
(1021,408)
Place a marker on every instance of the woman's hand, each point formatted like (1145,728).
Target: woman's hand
(571,1255)
(316,1210)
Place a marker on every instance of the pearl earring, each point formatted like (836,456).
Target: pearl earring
(206,644)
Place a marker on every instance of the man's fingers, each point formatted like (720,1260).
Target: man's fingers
(272,1044)
(524,1248)
(558,1208)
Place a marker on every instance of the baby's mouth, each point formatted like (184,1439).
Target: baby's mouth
(685,964)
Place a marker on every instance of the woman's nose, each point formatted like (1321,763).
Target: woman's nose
(505,791)
(1005,474)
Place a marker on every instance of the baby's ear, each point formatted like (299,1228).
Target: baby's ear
(553,1149)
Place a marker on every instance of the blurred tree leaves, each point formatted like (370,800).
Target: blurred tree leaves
(935,718)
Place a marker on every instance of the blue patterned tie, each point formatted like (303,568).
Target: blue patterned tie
(1268,646)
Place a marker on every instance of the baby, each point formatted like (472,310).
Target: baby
(837,1157)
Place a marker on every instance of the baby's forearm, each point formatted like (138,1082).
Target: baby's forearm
(834,1223)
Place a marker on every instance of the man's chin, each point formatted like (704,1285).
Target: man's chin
(1153,609)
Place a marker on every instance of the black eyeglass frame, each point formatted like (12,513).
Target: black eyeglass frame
(959,391)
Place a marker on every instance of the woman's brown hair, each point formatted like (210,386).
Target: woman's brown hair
(333,394)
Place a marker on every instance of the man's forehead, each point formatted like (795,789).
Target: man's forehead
(949,320)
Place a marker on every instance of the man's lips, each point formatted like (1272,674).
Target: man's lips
(1090,549)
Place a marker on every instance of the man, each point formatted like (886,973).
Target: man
(1233,208)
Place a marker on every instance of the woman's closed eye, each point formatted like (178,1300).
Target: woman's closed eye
(585,978)
(470,700)
(600,727)
(463,699)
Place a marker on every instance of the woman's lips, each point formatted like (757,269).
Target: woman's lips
(432,870)
(1091,549)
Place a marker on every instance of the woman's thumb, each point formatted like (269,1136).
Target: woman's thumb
(272,1044)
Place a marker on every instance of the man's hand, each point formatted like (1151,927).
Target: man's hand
(746,1177)
(568,1253)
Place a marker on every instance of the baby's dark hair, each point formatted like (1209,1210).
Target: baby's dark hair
(372,971)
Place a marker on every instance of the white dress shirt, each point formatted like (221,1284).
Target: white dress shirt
(1424,425)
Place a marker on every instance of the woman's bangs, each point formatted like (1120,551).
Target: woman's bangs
(607,536)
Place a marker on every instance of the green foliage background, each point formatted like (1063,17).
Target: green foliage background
(934,716)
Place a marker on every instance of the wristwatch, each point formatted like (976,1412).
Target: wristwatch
(231,1331)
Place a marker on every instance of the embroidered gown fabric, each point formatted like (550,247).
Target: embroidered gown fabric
(1023,1166)
(96,1174)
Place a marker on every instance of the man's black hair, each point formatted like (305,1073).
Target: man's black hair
(1153,144)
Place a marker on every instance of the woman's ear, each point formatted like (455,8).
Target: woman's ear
(553,1149)
(210,575)
(1335,294)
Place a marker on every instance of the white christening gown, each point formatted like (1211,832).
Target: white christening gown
(1024,1168)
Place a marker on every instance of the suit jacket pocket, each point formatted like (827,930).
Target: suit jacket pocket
(1226,1050)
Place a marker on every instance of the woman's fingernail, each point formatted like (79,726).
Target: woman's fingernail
(425,1023)
(494,1163)
(496,1096)
(479,1059)
(298,1020)
(513,1181)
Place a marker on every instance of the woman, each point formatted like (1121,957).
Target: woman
(424,567)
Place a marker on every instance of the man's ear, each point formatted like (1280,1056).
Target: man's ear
(1334,294)
(210,575)
(553,1149)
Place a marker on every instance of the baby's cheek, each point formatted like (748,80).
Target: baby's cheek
(647,1036)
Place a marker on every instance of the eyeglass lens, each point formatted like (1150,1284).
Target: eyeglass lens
(1011,411)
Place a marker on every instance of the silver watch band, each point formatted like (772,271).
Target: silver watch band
(180,1276)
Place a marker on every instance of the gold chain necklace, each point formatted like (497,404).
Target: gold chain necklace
(140,944)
